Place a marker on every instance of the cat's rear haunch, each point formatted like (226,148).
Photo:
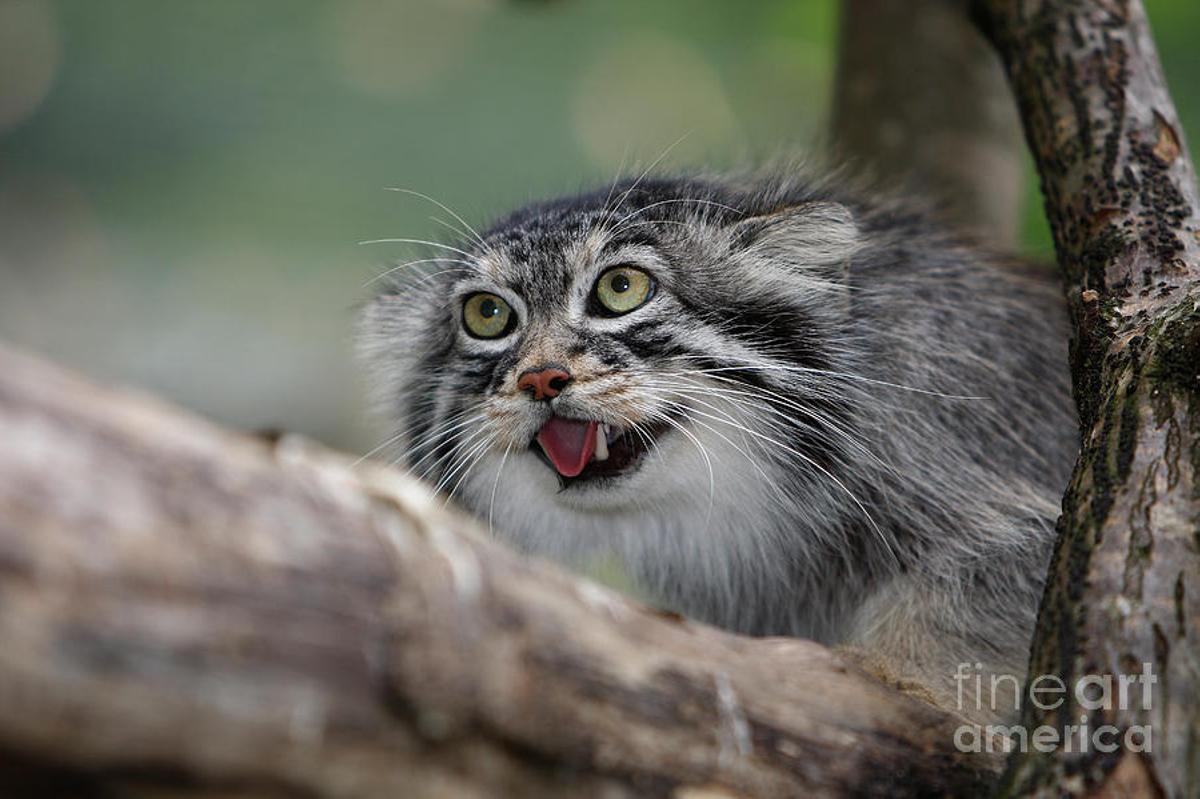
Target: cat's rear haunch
(783,408)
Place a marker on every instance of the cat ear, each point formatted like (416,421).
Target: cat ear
(812,234)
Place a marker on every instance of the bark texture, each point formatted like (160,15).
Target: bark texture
(921,101)
(1121,196)
(186,611)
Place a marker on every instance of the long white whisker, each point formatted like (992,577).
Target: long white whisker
(812,463)
(827,424)
(477,455)
(496,485)
(467,451)
(693,201)
(640,178)
(712,482)
(387,443)
(407,264)
(441,436)
(616,178)
(434,275)
(769,367)
(445,208)
(753,463)
(417,241)
(437,430)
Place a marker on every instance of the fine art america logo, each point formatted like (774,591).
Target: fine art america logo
(979,690)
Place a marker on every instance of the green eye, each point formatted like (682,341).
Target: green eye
(622,289)
(487,316)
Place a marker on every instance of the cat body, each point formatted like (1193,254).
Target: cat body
(782,407)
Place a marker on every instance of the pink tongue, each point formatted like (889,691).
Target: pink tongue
(568,444)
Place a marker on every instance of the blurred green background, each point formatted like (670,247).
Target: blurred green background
(183,184)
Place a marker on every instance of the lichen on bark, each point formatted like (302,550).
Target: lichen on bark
(1120,193)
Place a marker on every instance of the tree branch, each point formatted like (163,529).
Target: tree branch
(1121,196)
(921,101)
(183,608)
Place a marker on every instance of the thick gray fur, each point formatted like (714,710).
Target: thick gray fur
(870,430)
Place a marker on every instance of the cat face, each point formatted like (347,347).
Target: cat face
(617,366)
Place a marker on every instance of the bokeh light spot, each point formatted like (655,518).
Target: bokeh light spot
(648,93)
(29,58)
(392,50)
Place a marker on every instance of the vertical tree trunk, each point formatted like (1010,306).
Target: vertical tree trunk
(921,100)
(1121,196)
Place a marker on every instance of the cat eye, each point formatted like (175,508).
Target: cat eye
(487,316)
(623,289)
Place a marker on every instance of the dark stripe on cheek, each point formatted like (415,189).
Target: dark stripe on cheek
(650,340)
(653,346)
(602,346)
(633,233)
(475,373)
(811,431)
(780,325)
(610,355)
(781,329)
(501,367)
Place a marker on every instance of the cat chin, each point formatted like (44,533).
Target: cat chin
(614,494)
(667,479)
(618,516)
(641,520)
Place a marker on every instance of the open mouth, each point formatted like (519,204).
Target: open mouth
(579,449)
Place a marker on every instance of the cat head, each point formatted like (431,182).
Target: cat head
(591,366)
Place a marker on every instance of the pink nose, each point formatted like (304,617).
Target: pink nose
(544,383)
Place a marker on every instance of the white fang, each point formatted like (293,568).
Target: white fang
(601,453)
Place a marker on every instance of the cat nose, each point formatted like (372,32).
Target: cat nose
(545,382)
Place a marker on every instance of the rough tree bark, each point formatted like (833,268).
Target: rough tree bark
(921,101)
(185,610)
(1121,196)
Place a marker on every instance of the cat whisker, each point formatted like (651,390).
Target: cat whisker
(480,452)
(495,486)
(386,443)
(712,482)
(817,466)
(434,275)
(423,242)
(616,178)
(608,210)
(774,367)
(391,270)
(753,463)
(441,437)
(473,232)
(438,430)
(649,441)
(458,232)
(825,422)
(777,493)
(736,397)
(810,462)
(478,445)
(653,223)
(677,200)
